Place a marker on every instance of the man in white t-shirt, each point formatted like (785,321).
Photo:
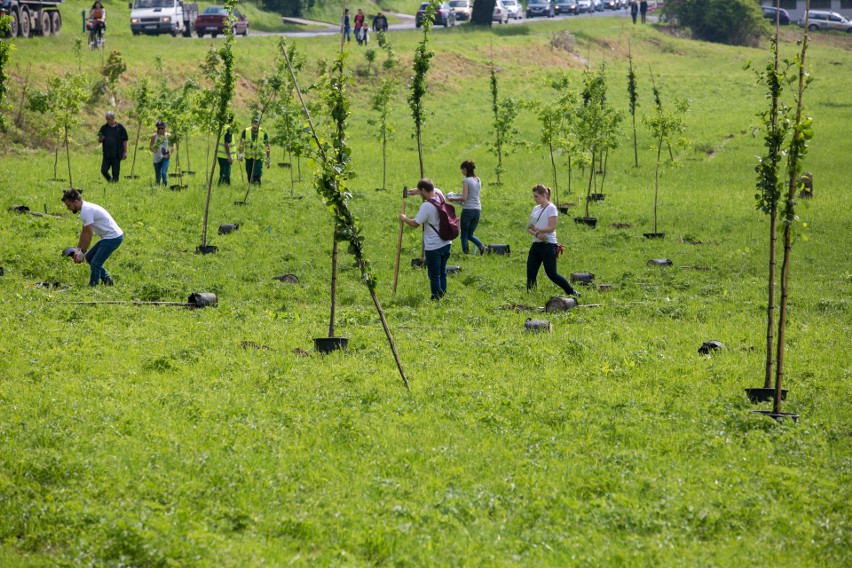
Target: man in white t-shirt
(437,249)
(95,220)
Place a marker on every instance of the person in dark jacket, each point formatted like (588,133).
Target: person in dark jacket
(113,139)
(634,10)
(643,9)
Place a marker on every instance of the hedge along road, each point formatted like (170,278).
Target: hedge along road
(407,23)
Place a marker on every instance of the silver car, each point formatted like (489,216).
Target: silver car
(500,13)
(819,20)
(516,11)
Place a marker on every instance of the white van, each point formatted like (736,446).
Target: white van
(157,17)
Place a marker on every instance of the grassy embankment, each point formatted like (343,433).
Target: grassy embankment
(154,436)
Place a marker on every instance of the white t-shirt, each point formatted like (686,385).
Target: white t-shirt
(102,222)
(427,215)
(540,218)
(161,146)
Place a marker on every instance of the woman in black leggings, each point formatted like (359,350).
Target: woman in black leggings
(542,226)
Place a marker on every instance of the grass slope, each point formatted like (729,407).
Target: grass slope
(155,436)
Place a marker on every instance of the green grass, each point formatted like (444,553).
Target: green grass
(155,436)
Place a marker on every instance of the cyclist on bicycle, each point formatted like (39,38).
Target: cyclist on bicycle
(97,16)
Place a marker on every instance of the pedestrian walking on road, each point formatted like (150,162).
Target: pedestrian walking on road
(95,220)
(634,10)
(643,9)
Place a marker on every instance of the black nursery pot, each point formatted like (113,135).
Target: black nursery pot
(227,228)
(206,249)
(329,344)
(588,221)
(498,249)
(417,263)
(584,278)
(654,235)
(596,197)
(761,394)
(779,416)
(203,300)
(660,262)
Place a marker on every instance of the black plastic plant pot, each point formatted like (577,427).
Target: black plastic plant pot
(189,172)
(287,278)
(228,228)
(596,197)
(177,187)
(69,251)
(454,269)
(207,249)
(584,278)
(560,304)
(203,300)
(654,235)
(329,344)
(283,164)
(417,263)
(538,326)
(660,262)
(564,207)
(587,221)
(779,417)
(131,177)
(710,346)
(20,209)
(498,249)
(240,203)
(761,394)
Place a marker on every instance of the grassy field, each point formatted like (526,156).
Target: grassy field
(160,436)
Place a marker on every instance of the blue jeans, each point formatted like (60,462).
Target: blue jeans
(161,172)
(545,253)
(98,255)
(469,221)
(436,266)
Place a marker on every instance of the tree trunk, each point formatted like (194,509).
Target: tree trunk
(384,158)
(770,305)
(657,180)
(332,315)
(135,148)
(209,193)
(589,188)
(553,175)
(68,158)
(635,145)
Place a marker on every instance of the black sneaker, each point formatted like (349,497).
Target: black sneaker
(107,281)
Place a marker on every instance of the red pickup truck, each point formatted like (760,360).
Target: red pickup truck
(214,19)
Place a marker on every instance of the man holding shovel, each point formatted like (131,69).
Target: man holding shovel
(95,219)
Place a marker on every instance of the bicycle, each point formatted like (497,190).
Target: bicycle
(96,35)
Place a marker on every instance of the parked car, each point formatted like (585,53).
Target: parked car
(611,4)
(567,7)
(543,8)
(585,6)
(463,9)
(516,11)
(819,20)
(770,13)
(214,19)
(444,15)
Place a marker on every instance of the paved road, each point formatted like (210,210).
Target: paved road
(407,23)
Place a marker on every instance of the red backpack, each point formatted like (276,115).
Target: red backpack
(448,228)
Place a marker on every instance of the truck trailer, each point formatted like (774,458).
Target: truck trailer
(32,17)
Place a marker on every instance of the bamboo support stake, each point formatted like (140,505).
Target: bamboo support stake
(398,248)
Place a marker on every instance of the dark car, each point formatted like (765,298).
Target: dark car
(770,12)
(213,21)
(542,8)
(566,7)
(444,15)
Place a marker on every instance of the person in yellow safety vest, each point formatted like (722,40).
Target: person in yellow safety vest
(224,155)
(253,142)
